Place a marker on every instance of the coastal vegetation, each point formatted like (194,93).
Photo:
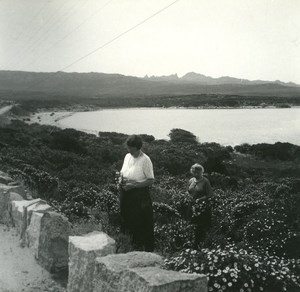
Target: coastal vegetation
(68,103)
(254,241)
(32,102)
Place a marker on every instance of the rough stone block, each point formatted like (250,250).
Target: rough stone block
(17,211)
(83,251)
(4,197)
(13,196)
(20,190)
(39,206)
(12,188)
(5,179)
(8,197)
(53,242)
(109,269)
(13,183)
(3,201)
(141,272)
(33,232)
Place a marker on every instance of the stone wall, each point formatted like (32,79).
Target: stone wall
(91,261)
(40,228)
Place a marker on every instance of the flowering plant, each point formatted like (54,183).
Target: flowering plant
(233,269)
(199,206)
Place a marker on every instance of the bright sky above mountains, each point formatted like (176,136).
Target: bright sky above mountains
(251,39)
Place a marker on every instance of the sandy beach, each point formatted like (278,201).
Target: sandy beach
(49,118)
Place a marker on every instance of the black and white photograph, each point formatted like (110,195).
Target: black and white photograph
(149,146)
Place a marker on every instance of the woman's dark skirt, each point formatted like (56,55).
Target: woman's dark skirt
(137,217)
(202,224)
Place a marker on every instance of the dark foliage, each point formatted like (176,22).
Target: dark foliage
(281,151)
(253,243)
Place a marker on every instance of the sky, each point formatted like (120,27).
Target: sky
(249,39)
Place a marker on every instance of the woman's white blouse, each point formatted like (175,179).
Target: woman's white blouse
(138,169)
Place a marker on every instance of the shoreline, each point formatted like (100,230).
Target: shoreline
(56,118)
(80,108)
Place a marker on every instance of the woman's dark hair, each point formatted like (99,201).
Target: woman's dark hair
(134,141)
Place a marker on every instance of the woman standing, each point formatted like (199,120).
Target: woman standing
(199,210)
(135,201)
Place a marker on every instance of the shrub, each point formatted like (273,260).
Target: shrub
(68,140)
(173,236)
(183,136)
(163,213)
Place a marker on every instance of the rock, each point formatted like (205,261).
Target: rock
(53,242)
(12,188)
(140,271)
(20,190)
(39,206)
(4,200)
(7,215)
(5,179)
(17,211)
(32,236)
(13,183)
(135,259)
(83,251)
(13,196)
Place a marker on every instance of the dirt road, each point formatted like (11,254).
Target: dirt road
(19,271)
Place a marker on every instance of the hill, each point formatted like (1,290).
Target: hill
(117,85)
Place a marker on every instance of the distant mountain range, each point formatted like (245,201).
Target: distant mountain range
(193,77)
(101,84)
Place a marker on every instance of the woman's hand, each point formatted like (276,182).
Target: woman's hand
(129,185)
(203,198)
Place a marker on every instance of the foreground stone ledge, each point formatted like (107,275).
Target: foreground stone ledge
(53,242)
(83,251)
(142,272)
(155,279)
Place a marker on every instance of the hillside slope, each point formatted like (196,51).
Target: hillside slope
(100,85)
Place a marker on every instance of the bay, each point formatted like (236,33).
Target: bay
(224,126)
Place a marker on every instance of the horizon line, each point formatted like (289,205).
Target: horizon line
(150,76)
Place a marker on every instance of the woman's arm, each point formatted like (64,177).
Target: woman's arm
(191,185)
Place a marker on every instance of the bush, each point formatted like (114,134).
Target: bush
(171,237)
(164,213)
(182,136)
